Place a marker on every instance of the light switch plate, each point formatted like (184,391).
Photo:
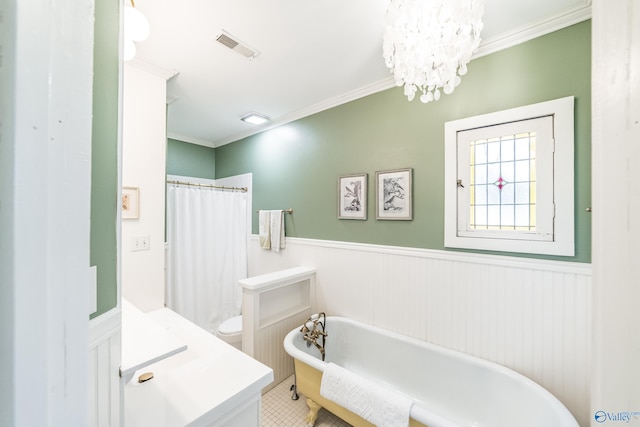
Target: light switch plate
(140,243)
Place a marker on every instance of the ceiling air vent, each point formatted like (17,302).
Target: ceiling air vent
(236,45)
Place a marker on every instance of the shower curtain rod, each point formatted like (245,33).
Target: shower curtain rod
(219,187)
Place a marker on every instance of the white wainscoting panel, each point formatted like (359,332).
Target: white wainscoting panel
(533,316)
(270,351)
(272,305)
(105,397)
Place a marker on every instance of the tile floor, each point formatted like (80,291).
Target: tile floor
(278,410)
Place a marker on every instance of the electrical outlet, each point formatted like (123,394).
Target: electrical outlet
(140,243)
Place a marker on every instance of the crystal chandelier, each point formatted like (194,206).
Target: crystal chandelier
(428,43)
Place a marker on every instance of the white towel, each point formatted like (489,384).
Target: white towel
(375,403)
(277,230)
(264,224)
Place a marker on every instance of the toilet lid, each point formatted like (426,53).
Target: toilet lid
(231,326)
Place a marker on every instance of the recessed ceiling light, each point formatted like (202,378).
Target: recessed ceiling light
(256,119)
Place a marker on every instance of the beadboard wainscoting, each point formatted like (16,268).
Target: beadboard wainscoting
(270,351)
(533,316)
(105,397)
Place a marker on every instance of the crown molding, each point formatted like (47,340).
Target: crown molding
(190,140)
(534,30)
(520,35)
(316,108)
(141,64)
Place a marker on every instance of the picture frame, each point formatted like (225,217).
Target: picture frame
(352,196)
(130,203)
(394,194)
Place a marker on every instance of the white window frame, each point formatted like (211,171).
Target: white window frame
(555,183)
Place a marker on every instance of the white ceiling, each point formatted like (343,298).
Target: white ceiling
(314,54)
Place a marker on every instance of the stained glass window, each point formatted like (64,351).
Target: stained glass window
(503,183)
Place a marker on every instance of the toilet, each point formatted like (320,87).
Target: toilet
(230,331)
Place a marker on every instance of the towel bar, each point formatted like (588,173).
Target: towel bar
(289,211)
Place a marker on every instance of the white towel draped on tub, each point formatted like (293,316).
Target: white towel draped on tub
(271,229)
(375,403)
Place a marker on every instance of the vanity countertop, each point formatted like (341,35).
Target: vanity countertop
(197,387)
(144,341)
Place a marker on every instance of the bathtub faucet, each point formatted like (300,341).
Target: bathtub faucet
(313,330)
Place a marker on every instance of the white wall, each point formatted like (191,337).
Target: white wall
(532,316)
(616,208)
(45,182)
(143,166)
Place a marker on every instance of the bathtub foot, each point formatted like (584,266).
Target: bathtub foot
(313,412)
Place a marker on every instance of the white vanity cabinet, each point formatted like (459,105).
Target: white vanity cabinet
(210,384)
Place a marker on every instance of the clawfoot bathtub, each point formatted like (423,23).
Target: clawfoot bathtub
(448,388)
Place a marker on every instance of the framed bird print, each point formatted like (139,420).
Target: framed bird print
(393,194)
(352,196)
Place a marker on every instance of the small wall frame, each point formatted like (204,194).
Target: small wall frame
(352,196)
(394,194)
(130,203)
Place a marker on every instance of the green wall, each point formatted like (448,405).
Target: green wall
(297,165)
(104,164)
(190,160)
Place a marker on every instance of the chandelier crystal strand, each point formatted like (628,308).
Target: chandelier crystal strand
(427,44)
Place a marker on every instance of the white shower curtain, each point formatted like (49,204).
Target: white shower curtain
(207,253)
